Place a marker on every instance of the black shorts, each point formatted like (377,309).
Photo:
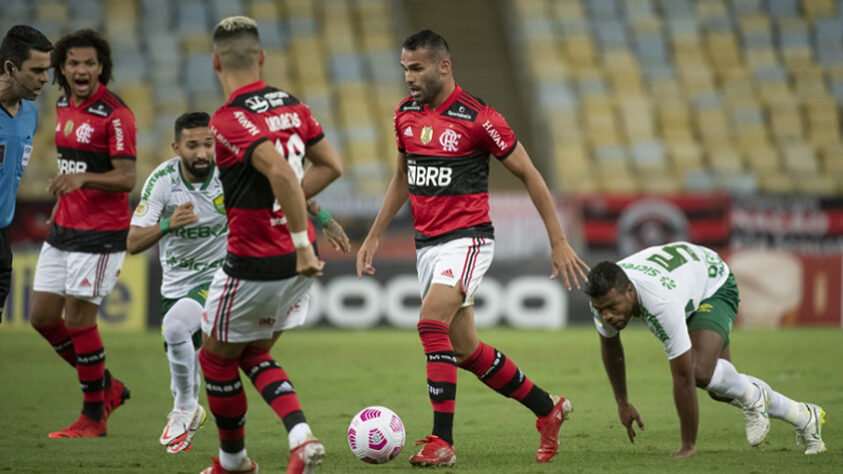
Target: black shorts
(5,267)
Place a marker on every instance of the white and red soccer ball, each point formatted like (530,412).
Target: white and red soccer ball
(376,435)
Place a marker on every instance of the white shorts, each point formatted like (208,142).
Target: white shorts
(250,310)
(460,261)
(87,276)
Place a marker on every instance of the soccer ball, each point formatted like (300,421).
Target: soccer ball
(376,435)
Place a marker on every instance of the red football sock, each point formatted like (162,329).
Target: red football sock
(90,366)
(494,369)
(273,384)
(58,336)
(441,375)
(226,399)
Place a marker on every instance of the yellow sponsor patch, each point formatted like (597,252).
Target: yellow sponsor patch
(705,308)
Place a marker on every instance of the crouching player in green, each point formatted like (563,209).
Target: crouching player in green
(182,206)
(688,298)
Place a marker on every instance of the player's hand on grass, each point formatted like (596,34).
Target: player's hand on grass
(65,184)
(336,236)
(684,452)
(627,413)
(365,256)
(566,261)
(307,263)
(183,215)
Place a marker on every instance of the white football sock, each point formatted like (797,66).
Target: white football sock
(783,408)
(180,322)
(727,382)
(298,435)
(233,461)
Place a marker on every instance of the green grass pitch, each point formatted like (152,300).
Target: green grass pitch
(337,373)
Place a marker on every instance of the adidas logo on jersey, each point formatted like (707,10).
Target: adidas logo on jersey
(448,273)
(85,283)
(408,132)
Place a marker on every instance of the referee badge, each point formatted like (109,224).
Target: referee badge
(426,135)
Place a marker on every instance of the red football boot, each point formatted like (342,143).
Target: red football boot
(84,427)
(306,457)
(436,452)
(248,466)
(548,427)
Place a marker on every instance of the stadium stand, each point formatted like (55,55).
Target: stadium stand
(667,95)
(633,95)
(336,55)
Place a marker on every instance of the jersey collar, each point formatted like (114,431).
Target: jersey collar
(205,184)
(450,100)
(95,97)
(255,86)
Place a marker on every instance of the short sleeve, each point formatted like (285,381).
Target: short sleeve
(668,324)
(237,134)
(399,140)
(153,199)
(311,129)
(494,133)
(122,134)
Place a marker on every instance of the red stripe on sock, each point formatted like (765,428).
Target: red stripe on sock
(223,369)
(56,333)
(282,405)
(87,340)
(483,359)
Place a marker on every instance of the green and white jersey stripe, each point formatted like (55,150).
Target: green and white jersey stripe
(671,280)
(189,255)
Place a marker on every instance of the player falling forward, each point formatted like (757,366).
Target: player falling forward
(84,251)
(182,207)
(445,136)
(689,299)
(262,135)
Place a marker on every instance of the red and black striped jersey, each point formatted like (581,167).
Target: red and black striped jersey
(259,243)
(447,152)
(88,137)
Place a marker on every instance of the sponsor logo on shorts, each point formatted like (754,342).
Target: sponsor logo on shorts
(448,273)
(266,322)
(85,283)
(705,308)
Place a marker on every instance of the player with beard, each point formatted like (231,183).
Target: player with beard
(182,209)
(24,59)
(445,136)
(81,259)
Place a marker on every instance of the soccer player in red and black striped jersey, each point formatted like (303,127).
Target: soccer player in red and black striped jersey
(445,136)
(85,247)
(262,136)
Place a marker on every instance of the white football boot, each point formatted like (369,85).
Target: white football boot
(757,418)
(185,443)
(811,434)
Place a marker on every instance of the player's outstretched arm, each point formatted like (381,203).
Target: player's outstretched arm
(685,396)
(287,191)
(325,167)
(120,179)
(330,227)
(564,259)
(142,238)
(611,351)
(396,196)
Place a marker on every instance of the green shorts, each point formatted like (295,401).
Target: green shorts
(718,312)
(198,294)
